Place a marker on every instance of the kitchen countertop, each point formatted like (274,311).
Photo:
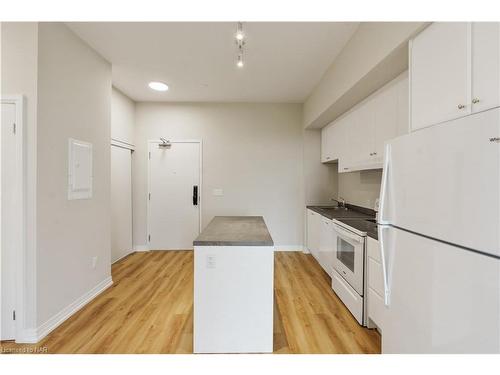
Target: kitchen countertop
(235,231)
(354,216)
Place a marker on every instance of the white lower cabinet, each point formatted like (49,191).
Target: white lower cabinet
(321,240)
(327,242)
(313,232)
(375,285)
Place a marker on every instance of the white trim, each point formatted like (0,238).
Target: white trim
(122,144)
(123,256)
(19,102)
(141,247)
(68,311)
(278,248)
(200,188)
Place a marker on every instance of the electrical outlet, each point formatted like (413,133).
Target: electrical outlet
(94,262)
(211,261)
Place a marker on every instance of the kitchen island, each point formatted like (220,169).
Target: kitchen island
(233,286)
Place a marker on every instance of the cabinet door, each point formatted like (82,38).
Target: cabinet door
(440,74)
(403,101)
(386,120)
(361,136)
(338,139)
(313,233)
(485,65)
(326,245)
(326,146)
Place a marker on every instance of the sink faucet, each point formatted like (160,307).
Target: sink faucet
(340,202)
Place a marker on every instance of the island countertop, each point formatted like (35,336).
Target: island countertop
(235,231)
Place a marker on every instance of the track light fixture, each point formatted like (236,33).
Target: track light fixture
(240,43)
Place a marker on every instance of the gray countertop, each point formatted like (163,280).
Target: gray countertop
(353,212)
(352,217)
(235,231)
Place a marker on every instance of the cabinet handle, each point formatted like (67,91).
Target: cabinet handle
(371,153)
(327,158)
(495,139)
(374,153)
(475,101)
(461,106)
(345,169)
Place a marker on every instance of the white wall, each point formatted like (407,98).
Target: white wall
(74,99)
(122,117)
(358,70)
(19,51)
(360,188)
(254,152)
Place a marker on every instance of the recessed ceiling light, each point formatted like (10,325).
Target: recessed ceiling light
(158,86)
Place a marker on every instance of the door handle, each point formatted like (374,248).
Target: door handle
(387,258)
(195,195)
(385,181)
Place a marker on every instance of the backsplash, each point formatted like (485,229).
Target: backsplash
(361,188)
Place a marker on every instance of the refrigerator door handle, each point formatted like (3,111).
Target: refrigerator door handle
(383,189)
(384,259)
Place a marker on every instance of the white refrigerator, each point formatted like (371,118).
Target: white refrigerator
(439,235)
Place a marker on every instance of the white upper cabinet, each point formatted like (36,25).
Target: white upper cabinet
(403,97)
(326,146)
(485,65)
(454,71)
(439,67)
(385,121)
(333,138)
(358,138)
(361,136)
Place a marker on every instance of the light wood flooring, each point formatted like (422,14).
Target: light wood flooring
(149,309)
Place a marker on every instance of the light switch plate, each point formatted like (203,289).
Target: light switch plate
(80,174)
(218,192)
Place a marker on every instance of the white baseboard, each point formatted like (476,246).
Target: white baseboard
(141,248)
(288,248)
(27,336)
(65,313)
(123,256)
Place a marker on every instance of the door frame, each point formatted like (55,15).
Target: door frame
(152,142)
(20,214)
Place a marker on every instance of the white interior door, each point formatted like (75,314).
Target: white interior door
(174,187)
(121,202)
(10,230)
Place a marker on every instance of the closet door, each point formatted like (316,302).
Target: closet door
(121,202)
(440,74)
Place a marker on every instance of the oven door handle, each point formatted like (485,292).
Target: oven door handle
(343,233)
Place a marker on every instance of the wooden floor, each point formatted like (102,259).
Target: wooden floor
(149,309)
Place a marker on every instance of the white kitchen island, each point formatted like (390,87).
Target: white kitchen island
(233,286)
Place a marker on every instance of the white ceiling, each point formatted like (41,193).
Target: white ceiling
(283,60)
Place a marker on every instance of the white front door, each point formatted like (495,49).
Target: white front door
(174,188)
(10,228)
(121,202)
